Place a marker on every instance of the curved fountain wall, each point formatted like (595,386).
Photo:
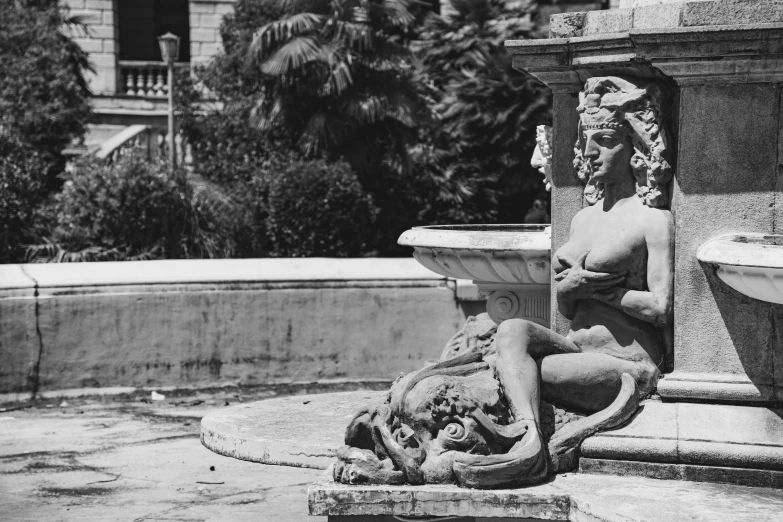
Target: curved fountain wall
(208,322)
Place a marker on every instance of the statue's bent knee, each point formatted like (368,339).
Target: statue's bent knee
(516,329)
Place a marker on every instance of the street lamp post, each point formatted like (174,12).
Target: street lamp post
(169,52)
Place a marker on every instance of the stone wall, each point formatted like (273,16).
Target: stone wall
(99,41)
(203,322)
(205,19)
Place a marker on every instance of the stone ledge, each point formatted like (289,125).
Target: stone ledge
(302,431)
(701,435)
(689,472)
(685,14)
(205,271)
(689,55)
(577,497)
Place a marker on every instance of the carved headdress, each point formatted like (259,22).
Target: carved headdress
(634,107)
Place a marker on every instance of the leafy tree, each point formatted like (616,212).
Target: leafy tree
(343,80)
(44,105)
(22,178)
(337,80)
(44,98)
(487,110)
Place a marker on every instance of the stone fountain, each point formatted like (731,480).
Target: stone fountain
(509,264)
(668,286)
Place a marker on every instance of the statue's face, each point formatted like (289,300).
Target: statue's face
(444,429)
(609,152)
(539,162)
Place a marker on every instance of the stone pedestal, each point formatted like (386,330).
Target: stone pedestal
(578,497)
(724,64)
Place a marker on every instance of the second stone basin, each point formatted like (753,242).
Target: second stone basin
(751,264)
(517,254)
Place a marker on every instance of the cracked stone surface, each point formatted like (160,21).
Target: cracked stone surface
(123,459)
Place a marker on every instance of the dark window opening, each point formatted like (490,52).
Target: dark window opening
(142,21)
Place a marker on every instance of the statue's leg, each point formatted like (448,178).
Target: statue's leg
(591,381)
(519,344)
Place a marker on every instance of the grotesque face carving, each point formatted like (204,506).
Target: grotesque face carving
(542,154)
(446,423)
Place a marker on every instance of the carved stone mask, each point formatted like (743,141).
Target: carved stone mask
(446,423)
(633,107)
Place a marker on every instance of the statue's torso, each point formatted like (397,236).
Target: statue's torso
(617,243)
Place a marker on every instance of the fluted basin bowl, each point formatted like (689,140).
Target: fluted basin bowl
(751,264)
(517,254)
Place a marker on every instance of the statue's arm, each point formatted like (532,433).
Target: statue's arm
(654,305)
(574,281)
(565,305)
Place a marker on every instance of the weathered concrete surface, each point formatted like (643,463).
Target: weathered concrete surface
(304,430)
(576,497)
(110,459)
(201,322)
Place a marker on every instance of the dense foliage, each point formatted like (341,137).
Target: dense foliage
(324,128)
(426,110)
(137,209)
(487,111)
(44,98)
(22,181)
(319,209)
(44,105)
(343,81)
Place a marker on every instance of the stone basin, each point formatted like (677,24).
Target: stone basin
(751,264)
(517,254)
(510,264)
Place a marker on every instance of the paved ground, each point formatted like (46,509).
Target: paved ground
(129,458)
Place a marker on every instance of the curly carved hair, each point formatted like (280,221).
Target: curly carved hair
(633,106)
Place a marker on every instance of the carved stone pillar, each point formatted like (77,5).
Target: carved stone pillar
(724,64)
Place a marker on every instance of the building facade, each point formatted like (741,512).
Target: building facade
(129,83)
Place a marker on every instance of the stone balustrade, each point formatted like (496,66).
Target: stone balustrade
(144,79)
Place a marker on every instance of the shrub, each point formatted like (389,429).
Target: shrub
(44,98)
(22,177)
(319,209)
(134,209)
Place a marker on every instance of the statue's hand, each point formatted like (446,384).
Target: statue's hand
(579,283)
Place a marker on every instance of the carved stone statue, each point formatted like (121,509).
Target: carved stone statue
(476,418)
(542,154)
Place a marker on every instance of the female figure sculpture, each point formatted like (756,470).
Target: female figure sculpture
(614,275)
(473,418)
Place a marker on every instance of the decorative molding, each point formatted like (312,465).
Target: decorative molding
(504,301)
(717,387)
(689,55)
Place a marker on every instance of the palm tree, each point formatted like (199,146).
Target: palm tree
(344,80)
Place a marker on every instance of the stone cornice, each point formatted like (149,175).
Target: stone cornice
(690,55)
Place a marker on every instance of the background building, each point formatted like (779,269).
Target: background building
(129,83)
